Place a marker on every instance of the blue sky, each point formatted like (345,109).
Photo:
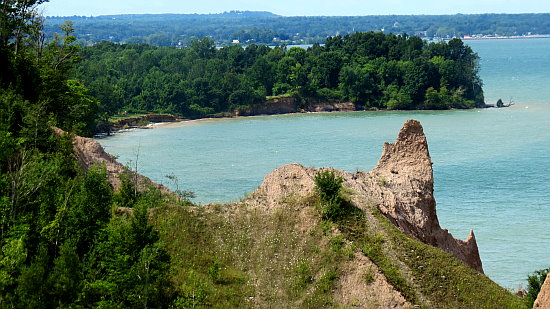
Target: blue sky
(295,7)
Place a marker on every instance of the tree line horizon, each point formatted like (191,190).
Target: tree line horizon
(370,69)
(250,27)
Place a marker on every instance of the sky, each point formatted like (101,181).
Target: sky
(294,7)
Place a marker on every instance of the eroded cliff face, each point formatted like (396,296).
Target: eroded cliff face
(401,185)
(543,300)
(405,194)
(132,122)
(286,105)
(89,153)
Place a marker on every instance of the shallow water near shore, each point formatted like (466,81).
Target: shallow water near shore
(490,166)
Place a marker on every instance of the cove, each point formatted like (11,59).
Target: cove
(490,166)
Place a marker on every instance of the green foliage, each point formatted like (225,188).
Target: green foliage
(12,259)
(126,266)
(368,276)
(127,194)
(304,276)
(65,278)
(194,293)
(329,94)
(91,210)
(60,245)
(329,187)
(337,243)
(214,271)
(534,284)
(370,69)
(281,88)
(82,110)
(326,283)
(30,291)
(396,98)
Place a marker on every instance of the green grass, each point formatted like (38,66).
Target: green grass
(234,256)
(201,278)
(126,116)
(443,279)
(278,96)
(373,245)
(241,257)
(426,276)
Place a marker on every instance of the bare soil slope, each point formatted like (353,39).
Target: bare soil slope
(401,185)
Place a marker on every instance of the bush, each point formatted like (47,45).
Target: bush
(534,284)
(329,187)
(281,88)
(127,194)
(329,94)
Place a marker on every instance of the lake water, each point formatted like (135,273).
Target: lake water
(491,166)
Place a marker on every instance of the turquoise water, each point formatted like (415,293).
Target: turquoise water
(490,166)
(517,69)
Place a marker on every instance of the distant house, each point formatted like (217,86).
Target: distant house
(235,41)
(421,33)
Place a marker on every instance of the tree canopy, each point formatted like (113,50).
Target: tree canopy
(60,244)
(371,69)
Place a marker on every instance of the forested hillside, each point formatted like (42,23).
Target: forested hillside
(267,28)
(373,70)
(60,244)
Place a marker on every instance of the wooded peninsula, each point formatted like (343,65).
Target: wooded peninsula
(372,70)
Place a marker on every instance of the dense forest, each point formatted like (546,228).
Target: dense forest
(372,70)
(60,244)
(263,27)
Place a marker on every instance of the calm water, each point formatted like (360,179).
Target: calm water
(490,166)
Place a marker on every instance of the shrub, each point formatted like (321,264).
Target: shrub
(304,276)
(534,284)
(329,187)
(329,94)
(368,276)
(214,271)
(127,194)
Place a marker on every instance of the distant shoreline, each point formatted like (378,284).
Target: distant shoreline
(272,106)
(172,120)
(540,36)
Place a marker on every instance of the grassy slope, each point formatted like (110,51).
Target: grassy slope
(425,275)
(237,256)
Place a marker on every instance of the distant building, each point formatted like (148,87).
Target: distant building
(235,41)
